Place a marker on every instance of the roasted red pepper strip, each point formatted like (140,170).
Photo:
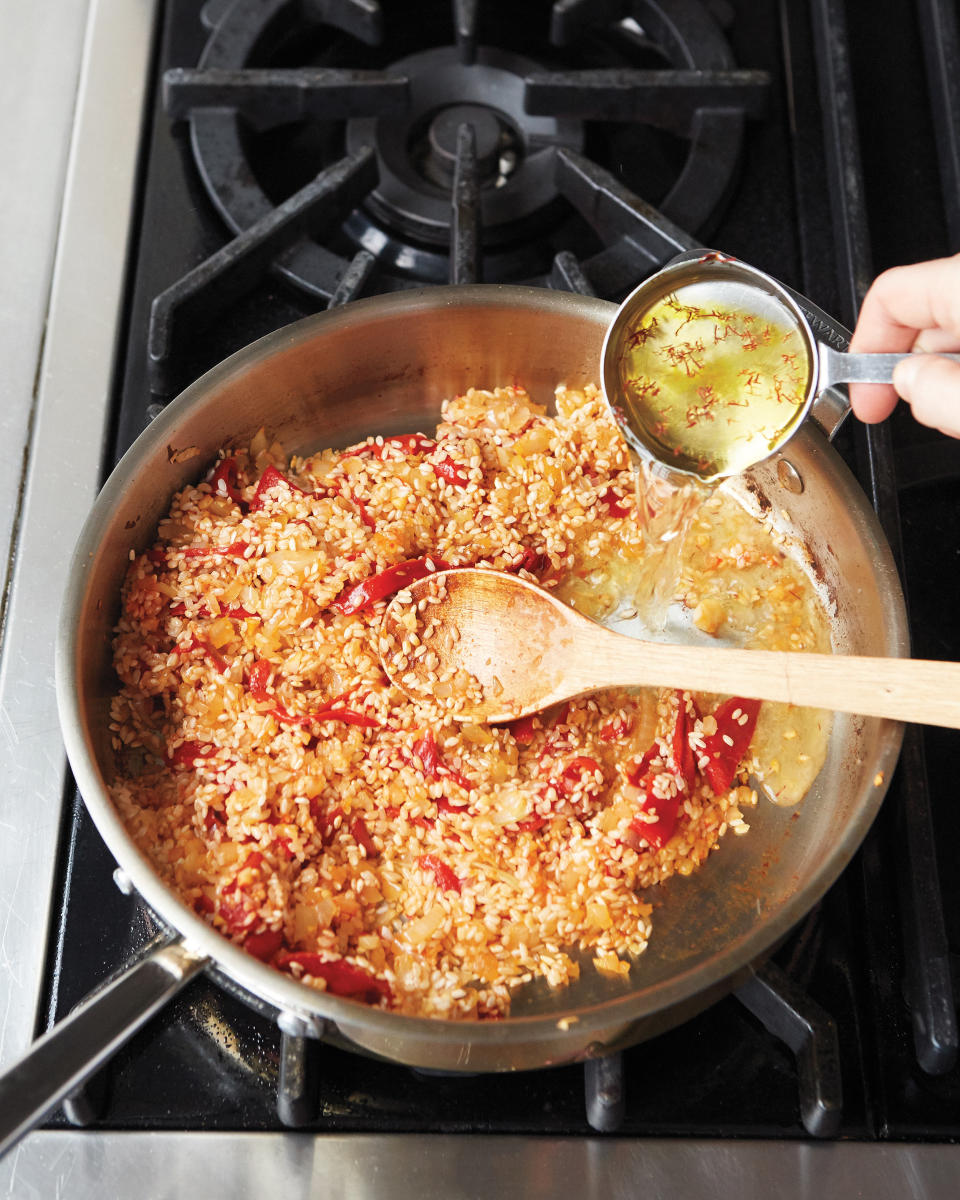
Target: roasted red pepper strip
(574,771)
(258,677)
(426,750)
(231,610)
(445,806)
(415,443)
(682,767)
(264,945)
(188,753)
(451,472)
(638,772)
(325,819)
(236,612)
(347,715)
(658,833)
(446,880)
(458,778)
(235,914)
(522,730)
(341,489)
(228,476)
(433,766)
(736,720)
(338,701)
(384,583)
(271,478)
(285,848)
(655,833)
(199,643)
(343,979)
(530,561)
(617,727)
(234,550)
(616,506)
(289,718)
(364,515)
(684,759)
(361,835)
(409,443)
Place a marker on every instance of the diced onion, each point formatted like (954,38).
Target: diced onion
(420,929)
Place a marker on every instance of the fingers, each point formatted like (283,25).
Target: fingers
(932,386)
(906,300)
(915,307)
(872,402)
(937,341)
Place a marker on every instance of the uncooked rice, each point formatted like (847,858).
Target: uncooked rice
(361,842)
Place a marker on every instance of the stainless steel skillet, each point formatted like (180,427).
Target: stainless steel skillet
(383,366)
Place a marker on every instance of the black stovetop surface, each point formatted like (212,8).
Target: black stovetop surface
(209,1062)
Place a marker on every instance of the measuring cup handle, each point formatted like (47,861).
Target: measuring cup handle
(861,368)
(830,405)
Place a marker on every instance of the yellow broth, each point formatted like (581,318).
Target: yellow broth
(709,386)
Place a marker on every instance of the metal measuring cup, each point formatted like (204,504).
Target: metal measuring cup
(710,366)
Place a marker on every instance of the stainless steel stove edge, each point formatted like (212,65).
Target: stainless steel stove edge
(451,1167)
(65,455)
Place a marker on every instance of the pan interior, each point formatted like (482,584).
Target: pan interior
(384,366)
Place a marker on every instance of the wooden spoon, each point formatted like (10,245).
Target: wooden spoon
(525,650)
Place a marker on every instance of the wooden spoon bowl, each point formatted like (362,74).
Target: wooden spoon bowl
(492,647)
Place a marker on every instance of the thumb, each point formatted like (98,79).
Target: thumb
(931,385)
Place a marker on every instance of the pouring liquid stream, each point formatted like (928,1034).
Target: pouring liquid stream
(665,508)
(711,376)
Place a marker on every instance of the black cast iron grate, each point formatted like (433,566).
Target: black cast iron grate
(455,163)
(928,986)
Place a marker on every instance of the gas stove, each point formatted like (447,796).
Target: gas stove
(298,156)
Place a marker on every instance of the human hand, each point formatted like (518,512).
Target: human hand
(913,308)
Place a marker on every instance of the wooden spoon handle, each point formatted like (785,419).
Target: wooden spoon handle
(904,689)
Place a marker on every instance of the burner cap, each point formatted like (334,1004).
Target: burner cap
(488,131)
(416,149)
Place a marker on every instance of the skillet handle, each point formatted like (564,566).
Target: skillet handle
(75,1048)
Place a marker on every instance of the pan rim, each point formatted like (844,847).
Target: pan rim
(283,992)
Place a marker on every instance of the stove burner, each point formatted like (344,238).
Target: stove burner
(416,150)
(673,129)
(493,139)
